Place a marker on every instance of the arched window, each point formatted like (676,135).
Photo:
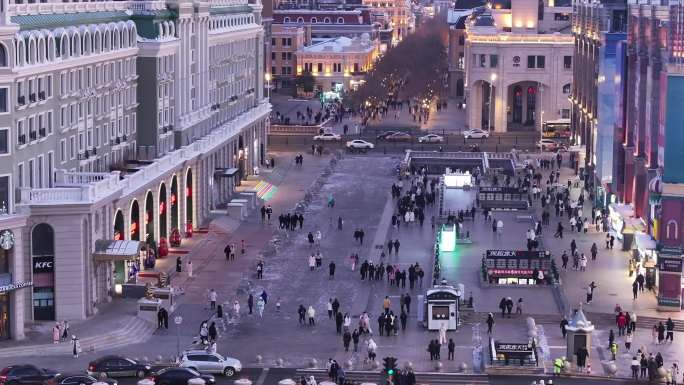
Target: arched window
(566,88)
(286,20)
(672,230)
(300,20)
(326,20)
(314,20)
(43,240)
(340,20)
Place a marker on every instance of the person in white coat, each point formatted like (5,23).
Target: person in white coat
(75,346)
(260,305)
(312,262)
(189,269)
(311,313)
(236,308)
(443,334)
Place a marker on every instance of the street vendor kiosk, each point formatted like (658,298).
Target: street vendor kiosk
(442,307)
(517,267)
(507,353)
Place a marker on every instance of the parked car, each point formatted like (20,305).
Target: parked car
(358,144)
(180,376)
(551,145)
(385,134)
(204,362)
(25,375)
(118,366)
(399,137)
(475,133)
(328,136)
(431,138)
(77,379)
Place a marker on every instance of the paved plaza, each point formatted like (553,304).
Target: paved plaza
(360,188)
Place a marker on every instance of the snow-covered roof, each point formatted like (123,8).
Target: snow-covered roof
(341,44)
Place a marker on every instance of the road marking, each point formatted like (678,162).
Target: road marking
(262,377)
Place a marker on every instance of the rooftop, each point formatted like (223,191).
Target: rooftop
(341,44)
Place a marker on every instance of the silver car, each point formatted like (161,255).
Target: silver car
(205,362)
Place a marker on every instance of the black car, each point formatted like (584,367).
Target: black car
(77,379)
(117,366)
(180,376)
(385,134)
(24,375)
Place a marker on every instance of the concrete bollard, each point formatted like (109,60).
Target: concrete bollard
(408,365)
(145,381)
(242,381)
(348,364)
(159,359)
(313,362)
(287,381)
(531,324)
(375,364)
(611,368)
(145,359)
(279,362)
(532,333)
(438,366)
(661,372)
(259,359)
(464,367)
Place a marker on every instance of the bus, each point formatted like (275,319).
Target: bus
(556,129)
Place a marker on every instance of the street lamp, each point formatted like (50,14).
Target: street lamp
(541,117)
(268,84)
(492,77)
(178,320)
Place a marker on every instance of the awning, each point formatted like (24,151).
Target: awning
(110,250)
(644,241)
(225,172)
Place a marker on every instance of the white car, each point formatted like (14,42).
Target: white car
(551,145)
(328,136)
(431,138)
(205,362)
(475,133)
(358,144)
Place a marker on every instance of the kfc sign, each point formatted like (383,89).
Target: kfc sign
(43,265)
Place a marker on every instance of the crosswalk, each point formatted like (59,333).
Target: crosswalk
(431,378)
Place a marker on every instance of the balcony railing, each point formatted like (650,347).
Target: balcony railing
(80,187)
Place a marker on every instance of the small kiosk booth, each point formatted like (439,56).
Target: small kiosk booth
(516,267)
(458,179)
(670,283)
(441,304)
(511,198)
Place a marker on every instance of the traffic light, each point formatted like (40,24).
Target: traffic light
(390,366)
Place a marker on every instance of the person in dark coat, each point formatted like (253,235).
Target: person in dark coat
(213,333)
(346,339)
(563,324)
(179,265)
(338,322)
(403,317)
(250,302)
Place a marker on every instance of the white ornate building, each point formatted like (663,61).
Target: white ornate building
(518,64)
(118,119)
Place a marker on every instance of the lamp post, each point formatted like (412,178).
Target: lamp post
(541,117)
(492,77)
(268,84)
(178,320)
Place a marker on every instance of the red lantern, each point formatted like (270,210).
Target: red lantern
(175,238)
(148,216)
(117,235)
(188,192)
(134,228)
(188,230)
(162,206)
(173,199)
(531,91)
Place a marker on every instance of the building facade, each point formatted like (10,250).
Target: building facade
(599,29)
(518,66)
(338,64)
(120,120)
(398,13)
(285,41)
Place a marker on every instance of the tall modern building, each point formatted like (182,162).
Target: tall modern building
(119,120)
(599,29)
(518,65)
